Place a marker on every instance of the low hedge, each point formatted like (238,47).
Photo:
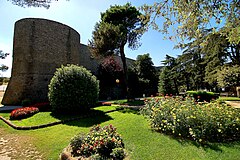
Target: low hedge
(202,96)
(208,122)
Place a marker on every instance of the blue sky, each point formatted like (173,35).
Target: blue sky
(81,15)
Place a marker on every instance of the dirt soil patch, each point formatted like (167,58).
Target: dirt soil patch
(17,147)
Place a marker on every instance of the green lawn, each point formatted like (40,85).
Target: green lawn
(140,141)
(229,98)
(130,103)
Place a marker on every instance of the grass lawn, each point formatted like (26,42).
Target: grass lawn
(130,103)
(140,141)
(229,98)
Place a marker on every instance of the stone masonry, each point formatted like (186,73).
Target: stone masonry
(40,46)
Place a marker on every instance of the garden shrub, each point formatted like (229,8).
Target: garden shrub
(21,113)
(73,88)
(103,143)
(118,153)
(202,96)
(212,122)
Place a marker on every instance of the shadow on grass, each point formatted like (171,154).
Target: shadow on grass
(87,119)
(205,146)
(129,103)
(129,110)
(215,146)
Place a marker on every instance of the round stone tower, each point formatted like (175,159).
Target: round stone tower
(40,46)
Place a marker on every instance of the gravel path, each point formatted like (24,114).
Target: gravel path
(235,104)
(16,147)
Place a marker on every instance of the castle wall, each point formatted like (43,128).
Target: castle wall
(87,60)
(40,46)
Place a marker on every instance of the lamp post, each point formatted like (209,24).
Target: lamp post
(117,82)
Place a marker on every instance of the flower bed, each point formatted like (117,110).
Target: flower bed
(99,143)
(106,103)
(21,113)
(213,122)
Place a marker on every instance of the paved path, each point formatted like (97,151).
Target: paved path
(8,108)
(235,104)
(2,107)
(3,88)
(17,147)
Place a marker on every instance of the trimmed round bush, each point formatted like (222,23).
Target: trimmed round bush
(73,88)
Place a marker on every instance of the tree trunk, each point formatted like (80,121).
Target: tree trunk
(125,76)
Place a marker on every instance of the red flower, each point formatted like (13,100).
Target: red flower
(25,112)
(91,148)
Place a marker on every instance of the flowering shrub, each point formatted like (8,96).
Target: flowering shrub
(213,122)
(99,142)
(22,113)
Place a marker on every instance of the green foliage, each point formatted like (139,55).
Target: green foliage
(104,142)
(133,84)
(190,67)
(118,27)
(200,65)
(1,81)
(112,33)
(118,153)
(169,76)
(202,96)
(144,66)
(188,19)
(147,75)
(216,52)
(126,17)
(73,88)
(105,40)
(30,3)
(6,80)
(209,48)
(213,122)
(3,55)
(229,76)
(164,85)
